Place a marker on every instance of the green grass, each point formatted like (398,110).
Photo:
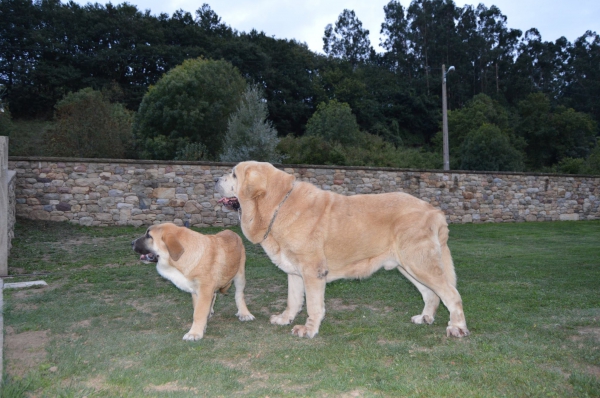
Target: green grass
(114,327)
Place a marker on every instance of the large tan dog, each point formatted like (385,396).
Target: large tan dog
(317,236)
(198,264)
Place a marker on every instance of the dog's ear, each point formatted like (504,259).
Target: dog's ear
(254,183)
(175,248)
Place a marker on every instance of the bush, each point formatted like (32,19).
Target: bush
(192,151)
(591,165)
(311,149)
(87,125)
(371,151)
(250,136)
(6,124)
(190,103)
(334,122)
(593,161)
(489,149)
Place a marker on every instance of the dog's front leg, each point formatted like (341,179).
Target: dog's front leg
(315,306)
(202,304)
(294,301)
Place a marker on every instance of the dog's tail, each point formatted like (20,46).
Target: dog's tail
(225,288)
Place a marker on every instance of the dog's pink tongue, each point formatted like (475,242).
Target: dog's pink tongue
(229,202)
(142,257)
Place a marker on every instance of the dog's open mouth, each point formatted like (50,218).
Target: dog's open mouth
(149,258)
(231,203)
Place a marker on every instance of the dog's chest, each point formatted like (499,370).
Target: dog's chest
(282,261)
(175,276)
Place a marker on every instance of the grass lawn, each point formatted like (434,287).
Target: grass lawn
(110,326)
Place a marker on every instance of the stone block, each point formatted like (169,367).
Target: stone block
(87,221)
(163,193)
(569,217)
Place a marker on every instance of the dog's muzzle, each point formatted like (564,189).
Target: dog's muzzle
(139,246)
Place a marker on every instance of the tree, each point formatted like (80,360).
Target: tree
(250,136)
(481,110)
(553,134)
(348,40)
(581,89)
(190,103)
(395,29)
(489,149)
(334,122)
(87,125)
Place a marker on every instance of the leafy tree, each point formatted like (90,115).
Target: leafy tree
(396,43)
(348,40)
(334,122)
(287,71)
(250,136)
(481,110)
(87,125)
(489,149)
(581,84)
(190,103)
(553,134)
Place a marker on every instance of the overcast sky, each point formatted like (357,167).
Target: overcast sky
(305,20)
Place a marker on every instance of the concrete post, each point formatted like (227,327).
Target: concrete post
(3,206)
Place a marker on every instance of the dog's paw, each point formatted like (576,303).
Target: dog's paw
(245,317)
(281,319)
(303,331)
(421,319)
(455,331)
(189,336)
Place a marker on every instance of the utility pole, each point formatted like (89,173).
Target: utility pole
(445,117)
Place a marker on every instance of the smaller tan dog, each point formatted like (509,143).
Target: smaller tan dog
(198,264)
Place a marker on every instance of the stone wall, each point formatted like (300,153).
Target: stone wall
(127,192)
(12,208)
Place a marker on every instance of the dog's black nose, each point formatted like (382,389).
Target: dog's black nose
(216,180)
(133,243)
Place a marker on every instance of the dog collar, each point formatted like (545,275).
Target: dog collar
(275,214)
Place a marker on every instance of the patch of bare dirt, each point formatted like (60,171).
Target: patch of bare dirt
(144,307)
(24,351)
(97,383)
(86,323)
(25,293)
(21,307)
(586,332)
(170,387)
(83,241)
(338,305)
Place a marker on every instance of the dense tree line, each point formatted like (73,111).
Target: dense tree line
(49,49)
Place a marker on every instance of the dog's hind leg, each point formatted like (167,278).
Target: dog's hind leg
(432,301)
(430,264)
(212,306)
(240,283)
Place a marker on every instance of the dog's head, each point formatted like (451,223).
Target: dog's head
(160,241)
(249,180)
